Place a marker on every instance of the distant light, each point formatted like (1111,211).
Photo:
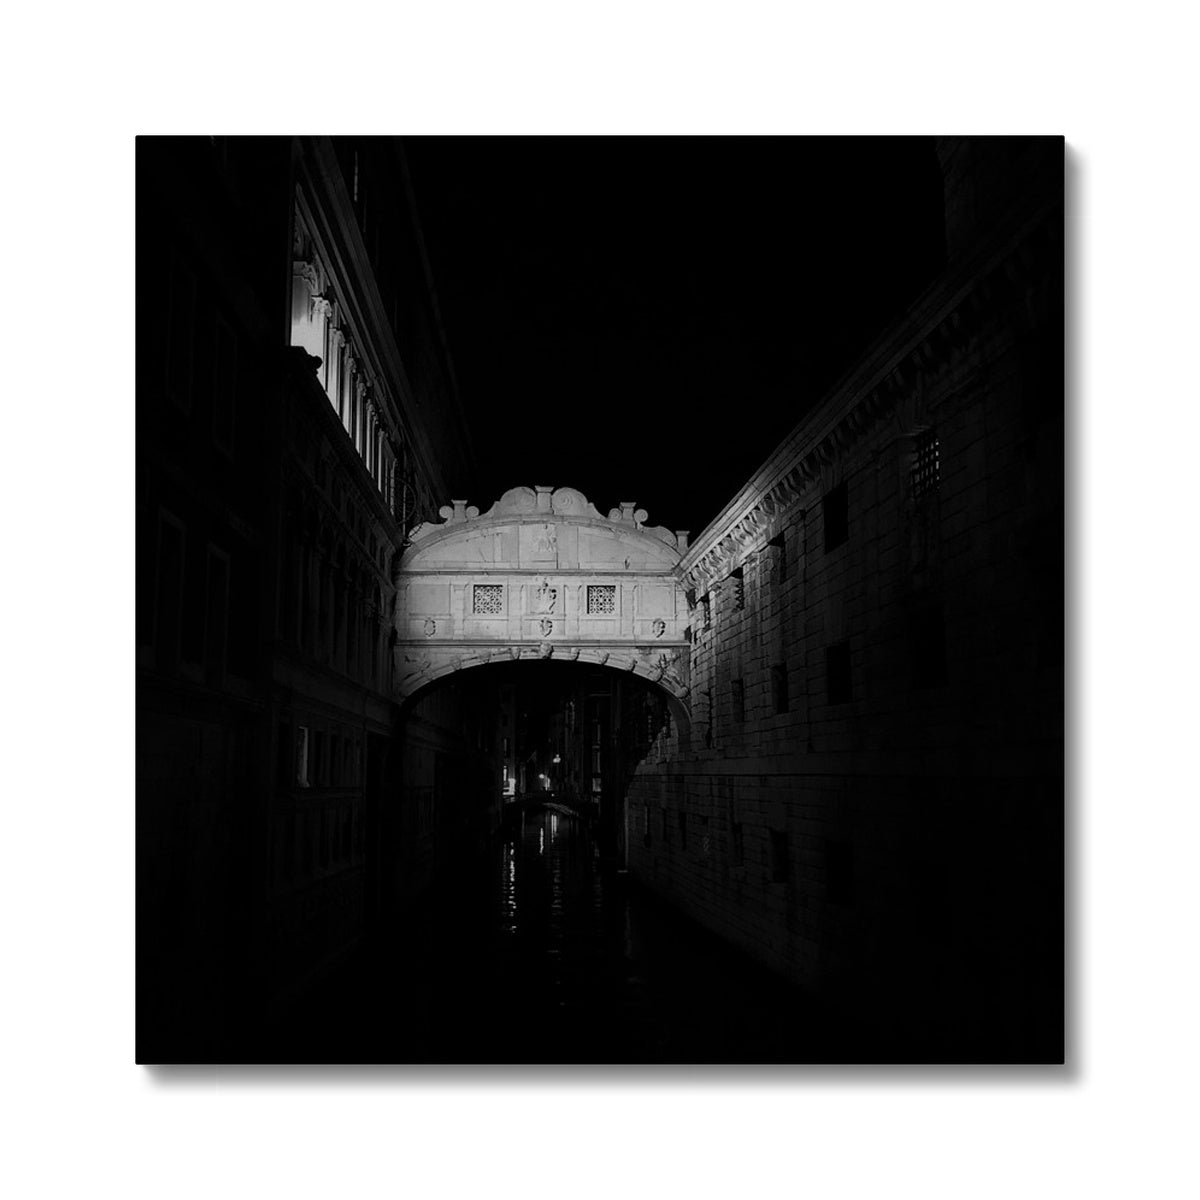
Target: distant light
(557,758)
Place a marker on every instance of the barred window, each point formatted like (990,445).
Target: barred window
(925,473)
(737,584)
(487,599)
(601,599)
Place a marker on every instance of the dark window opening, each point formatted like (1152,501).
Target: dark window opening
(779,688)
(835,511)
(146,564)
(781,861)
(283,751)
(837,673)
(839,871)
(216,616)
(224,387)
(929,648)
(706,605)
(739,842)
(318,766)
(169,594)
(181,316)
(191,629)
(778,547)
(244,642)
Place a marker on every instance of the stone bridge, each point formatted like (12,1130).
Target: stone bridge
(543,574)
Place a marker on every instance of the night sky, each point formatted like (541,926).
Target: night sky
(645,318)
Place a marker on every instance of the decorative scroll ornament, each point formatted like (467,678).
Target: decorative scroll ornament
(430,627)
(546,626)
(658,627)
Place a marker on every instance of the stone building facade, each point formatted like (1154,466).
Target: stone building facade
(296,412)
(872,798)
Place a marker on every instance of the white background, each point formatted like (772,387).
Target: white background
(80,81)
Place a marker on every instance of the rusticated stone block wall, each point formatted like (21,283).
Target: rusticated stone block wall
(872,800)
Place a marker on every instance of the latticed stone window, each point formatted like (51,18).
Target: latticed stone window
(925,472)
(737,588)
(487,599)
(601,599)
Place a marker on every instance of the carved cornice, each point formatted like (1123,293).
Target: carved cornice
(940,329)
(545,503)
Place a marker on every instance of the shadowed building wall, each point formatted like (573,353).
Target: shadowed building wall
(296,412)
(872,803)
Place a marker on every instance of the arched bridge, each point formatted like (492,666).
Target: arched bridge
(543,574)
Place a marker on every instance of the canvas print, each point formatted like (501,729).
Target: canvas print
(600,600)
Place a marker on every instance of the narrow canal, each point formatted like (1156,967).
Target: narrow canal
(551,957)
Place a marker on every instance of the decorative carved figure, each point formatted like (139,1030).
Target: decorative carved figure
(545,598)
(545,540)
(658,627)
(546,626)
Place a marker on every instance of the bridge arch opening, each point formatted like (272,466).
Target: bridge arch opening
(572,733)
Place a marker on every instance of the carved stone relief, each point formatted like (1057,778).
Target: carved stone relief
(545,598)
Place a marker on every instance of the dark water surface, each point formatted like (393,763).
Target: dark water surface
(545,956)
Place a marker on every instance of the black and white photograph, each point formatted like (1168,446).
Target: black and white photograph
(600,599)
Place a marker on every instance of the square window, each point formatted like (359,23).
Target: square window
(601,599)
(837,673)
(839,871)
(929,648)
(487,599)
(835,510)
(779,688)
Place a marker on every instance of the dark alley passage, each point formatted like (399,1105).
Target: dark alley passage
(544,954)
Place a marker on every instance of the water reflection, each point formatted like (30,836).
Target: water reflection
(548,955)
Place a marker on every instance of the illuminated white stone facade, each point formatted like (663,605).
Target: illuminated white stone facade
(542,574)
